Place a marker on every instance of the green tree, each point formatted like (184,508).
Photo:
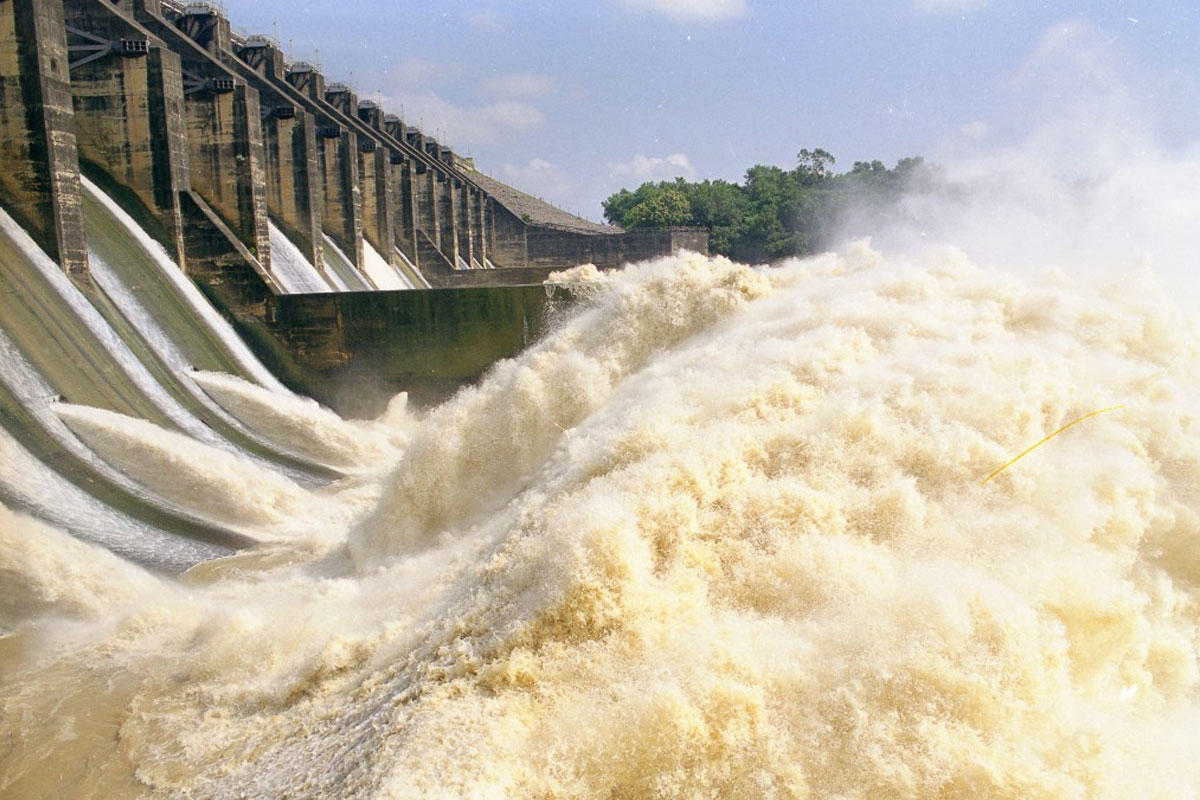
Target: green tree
(814,167)
(775,213)
(720,206)
(616,207)
(663,209)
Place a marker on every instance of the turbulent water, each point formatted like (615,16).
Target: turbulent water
(723,533)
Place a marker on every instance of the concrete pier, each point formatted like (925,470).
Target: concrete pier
(39,165)
(374,172)
(404,224)
(293,174)
(127,87)
(380,210)
(223,122)
(167,100)
(337,153)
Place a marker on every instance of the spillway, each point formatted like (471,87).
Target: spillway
(383,274)
(127,345)
(171,327)
(341,270)
(135,269)
(292,270)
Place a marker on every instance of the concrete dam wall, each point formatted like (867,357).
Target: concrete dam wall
(323,226)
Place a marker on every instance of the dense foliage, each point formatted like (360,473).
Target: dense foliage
(775,213)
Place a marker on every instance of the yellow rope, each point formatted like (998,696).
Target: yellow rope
(1030,449)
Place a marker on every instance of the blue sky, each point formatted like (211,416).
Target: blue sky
(573,101)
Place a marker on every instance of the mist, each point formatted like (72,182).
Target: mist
(1089,187)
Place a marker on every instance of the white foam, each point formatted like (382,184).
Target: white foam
(210,481)
(722,533)
(35,486)
(46,570)
(302,425)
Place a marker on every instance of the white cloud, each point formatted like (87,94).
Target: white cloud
(651,168)
(539,178)
(519,84)
(460,125)
(415,71)
(949,6)
(975,130)
(483,18)
(694,10)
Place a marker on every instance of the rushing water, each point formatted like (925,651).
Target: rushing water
(721,534)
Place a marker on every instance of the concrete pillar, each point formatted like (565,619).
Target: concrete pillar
(410,203)
(443,186)
(343,98)
(306,80)
(128,98)
(442,196)
(425,208)
(405,226)
(371,115)
(264,58)
(387,168)
(406,208)
(39,167)
(379,197)
(226,157)
(374,172)
(211,31)
(479,230)
(426,205)
(489,226)
(371,193)
(292,164)
(341,198)
(220,263)
(431,257)
(510,246)
(464,222)
(337,151)
(293,177)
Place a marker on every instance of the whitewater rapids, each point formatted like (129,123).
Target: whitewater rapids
(721,534)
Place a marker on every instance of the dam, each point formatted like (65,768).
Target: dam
(181,201)
(355,254)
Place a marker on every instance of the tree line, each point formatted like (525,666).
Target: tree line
(775,213)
